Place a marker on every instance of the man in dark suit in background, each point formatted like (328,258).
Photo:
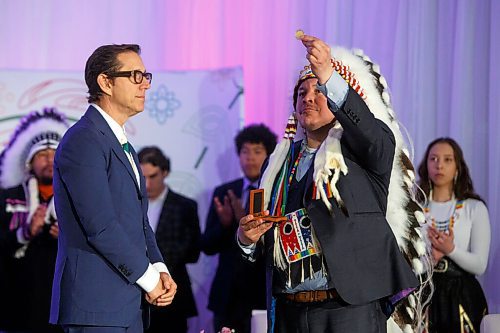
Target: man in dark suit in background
(174,219)
(238,287)
(107,255)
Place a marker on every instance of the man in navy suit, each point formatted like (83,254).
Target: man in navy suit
(107,256)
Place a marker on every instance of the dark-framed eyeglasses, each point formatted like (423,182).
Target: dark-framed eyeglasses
(136,75)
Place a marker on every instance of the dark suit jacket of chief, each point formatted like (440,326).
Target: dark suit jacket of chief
(362,256)
(178,237)
(237,283)
(105,240)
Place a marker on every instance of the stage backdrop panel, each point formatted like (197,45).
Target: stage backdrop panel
(192,116)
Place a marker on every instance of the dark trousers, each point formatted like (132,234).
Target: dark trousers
(47,329)
(167,322)
(135,327)
(329,317)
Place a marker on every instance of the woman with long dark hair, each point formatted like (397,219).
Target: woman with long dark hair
(459,231)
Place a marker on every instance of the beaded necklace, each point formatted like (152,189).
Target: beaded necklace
(294,168)
(280,194)
(446,224)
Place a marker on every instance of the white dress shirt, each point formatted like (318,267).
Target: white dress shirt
(155,207)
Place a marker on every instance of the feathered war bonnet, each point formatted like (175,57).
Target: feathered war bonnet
(36,131)
(404,214)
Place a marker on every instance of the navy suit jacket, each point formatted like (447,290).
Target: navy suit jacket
(105,240)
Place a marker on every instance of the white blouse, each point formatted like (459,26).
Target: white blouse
(472,232)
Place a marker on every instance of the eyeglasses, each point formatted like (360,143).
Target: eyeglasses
(136,75)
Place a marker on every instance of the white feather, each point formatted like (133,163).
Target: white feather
(358,52)
(408,329)
(408,181)
(391,112)
(386,98)
(410,312)
(382,80)
(329,161)
(411,299)
(420,217)
(417,265)
(420,246)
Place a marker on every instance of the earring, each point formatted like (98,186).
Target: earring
(430,190)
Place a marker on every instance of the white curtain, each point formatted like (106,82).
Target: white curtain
(439,58)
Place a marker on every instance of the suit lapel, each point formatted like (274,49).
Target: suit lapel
(141,178)
(118,150)
(101,124)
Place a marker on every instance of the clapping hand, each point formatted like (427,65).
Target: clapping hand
(442,242)
(54,230)
(231,208)
(38,220)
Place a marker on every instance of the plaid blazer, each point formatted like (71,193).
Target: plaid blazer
(178,238)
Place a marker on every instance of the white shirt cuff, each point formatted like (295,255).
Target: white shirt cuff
(149,279)
(247,249)
(161,267)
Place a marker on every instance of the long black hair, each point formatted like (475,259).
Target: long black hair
(463,187)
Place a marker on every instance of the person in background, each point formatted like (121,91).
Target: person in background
(174,220)
(28,223)
(238,287)
(459,232)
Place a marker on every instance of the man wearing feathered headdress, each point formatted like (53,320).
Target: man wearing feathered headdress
(28,222)
(335,265)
